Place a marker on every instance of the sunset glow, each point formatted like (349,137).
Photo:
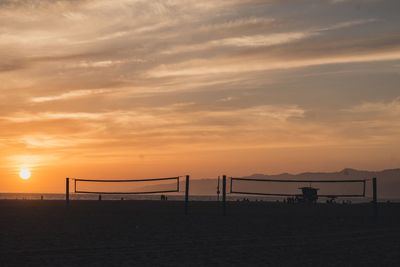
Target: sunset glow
(131,88)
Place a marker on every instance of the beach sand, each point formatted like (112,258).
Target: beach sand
(155,233)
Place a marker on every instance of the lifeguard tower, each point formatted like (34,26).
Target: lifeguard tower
(309,195)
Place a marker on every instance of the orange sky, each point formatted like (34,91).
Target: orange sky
(134,89)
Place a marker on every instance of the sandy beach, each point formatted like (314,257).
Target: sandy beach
(154,233)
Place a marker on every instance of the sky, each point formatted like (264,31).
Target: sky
(137,88)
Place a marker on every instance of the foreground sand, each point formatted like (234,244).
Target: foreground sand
(151,233)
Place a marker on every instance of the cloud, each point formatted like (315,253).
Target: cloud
(233,24)
(31,160)
(69,95)
(48,116)
(48,141)
(244,41)
(375,109)
(226,99)
(347,24)
(204,67)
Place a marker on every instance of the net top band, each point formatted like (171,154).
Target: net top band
(299,181)
(122,181)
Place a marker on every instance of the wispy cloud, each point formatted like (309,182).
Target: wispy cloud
(202,67)
(391,108)
(244,41)
(69,95)
(347,24)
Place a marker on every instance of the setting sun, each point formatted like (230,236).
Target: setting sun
(24,173)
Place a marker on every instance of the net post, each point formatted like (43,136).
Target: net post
(218,191)
(187,194)
(224,194)
(375,196)
(67,191)
(364,186)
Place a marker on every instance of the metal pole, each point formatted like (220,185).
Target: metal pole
(375,196)
(67,190)
(218,191)
(364,187)
(224,193)
(187,195)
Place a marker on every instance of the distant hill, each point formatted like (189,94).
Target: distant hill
(388,182)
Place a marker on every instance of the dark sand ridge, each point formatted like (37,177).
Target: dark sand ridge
(127,233)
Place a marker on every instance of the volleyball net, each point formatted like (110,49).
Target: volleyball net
(127,187)
(293,188)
